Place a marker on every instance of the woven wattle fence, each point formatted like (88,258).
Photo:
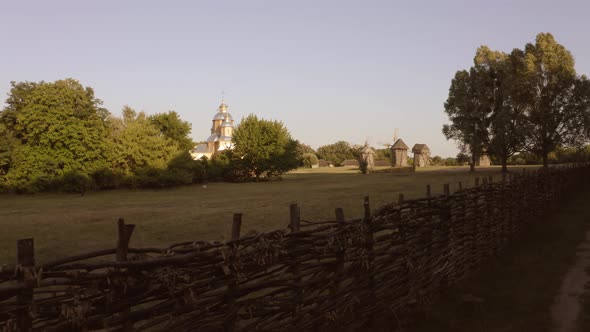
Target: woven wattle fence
(342,274)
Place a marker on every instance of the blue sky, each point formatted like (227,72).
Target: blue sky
(330,70)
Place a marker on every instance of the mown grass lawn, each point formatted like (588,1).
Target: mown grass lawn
(64,224)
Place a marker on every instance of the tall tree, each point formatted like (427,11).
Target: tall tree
(337,152)
(50,129)
(469,116)
(136,143)
(172,126)
(262,148)
(550,81)
(498,74)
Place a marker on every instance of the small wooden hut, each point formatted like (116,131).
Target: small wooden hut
(484,160)
(368,155)
(421,155)
(399,153)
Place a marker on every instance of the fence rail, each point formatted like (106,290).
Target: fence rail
(341,274)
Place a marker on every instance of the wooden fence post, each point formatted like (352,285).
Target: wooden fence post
(460,185)
(294,225)
(25,260)
(367,208)
(124,233)
(339,265)
(294,217)
(232,289)
(446,189)
(124,236)
(427,191)
(477,181)
(370,258)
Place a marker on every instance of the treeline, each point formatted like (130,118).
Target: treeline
(338,152)
(528,102)
(57,136)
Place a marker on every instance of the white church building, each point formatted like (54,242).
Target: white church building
(221,133)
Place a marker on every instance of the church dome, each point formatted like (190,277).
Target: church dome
(226,124)
(222,115)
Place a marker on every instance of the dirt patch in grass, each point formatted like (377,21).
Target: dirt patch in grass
(516,291)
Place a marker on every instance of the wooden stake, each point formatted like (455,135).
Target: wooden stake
(367,208)
(294,217)
(25,259)
(236,226)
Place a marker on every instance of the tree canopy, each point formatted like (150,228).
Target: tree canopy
(173,127)
(50,129)
(337,152)
(529,100)
(53,132)
(262,148)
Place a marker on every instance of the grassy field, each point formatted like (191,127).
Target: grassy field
(67,224)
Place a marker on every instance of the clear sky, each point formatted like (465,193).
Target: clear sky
(330,70)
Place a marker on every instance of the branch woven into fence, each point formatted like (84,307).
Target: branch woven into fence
(331,275)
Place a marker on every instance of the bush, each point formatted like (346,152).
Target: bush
(363,165)
(309,159)
(76,182)
(105,178)
(185,170)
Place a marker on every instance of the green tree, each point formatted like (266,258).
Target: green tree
(262,148)
(468,115)
(437,161)
(502,99)
(49,129)
(136,143)
(337,152)
(553,91)
(173,127)
(309,159)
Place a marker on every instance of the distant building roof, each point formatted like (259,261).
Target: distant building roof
(324,163)
(222,115)
(367,150)
(419,148)
(400,145)
(213,138)
(201,148)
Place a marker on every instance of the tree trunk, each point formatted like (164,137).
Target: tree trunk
(504,165)
(545,160)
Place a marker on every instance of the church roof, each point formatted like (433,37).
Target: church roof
(201,148)
(419,148)
(399,145)
(226,124)
(225,138)
(213,138)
